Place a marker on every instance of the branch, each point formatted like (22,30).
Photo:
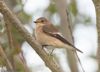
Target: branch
(97,7)
(10,41)
(16,23)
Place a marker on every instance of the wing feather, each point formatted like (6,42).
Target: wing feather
(52,31)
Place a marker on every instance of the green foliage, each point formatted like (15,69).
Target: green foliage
(52,8)
(17,36)
(19,67)
(73,8)
(24,17)
(2,61)
(87,20)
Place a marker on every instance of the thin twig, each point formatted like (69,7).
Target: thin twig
(65,28)
(79,61)
(10,39)
(16,23)
(23,62)
(70,27)
(19,54)
(3,54)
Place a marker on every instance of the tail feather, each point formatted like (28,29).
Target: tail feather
(73,48)
(78,50)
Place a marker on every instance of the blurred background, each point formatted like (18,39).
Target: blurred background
(82,18)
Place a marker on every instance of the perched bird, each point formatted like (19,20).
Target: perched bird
(47,35)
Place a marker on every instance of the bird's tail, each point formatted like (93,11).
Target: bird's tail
(78,50)
(73,48)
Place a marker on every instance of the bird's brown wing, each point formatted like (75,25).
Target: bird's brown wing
(52,31)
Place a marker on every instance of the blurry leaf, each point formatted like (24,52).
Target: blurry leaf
(1,25)
(19,66)
(24,17)
(73,8)
(87,20)
(2,61)
(17,35)
(17,46)
(17,41)
(18,1)
(52,8)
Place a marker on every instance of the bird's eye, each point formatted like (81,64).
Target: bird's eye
(42,20)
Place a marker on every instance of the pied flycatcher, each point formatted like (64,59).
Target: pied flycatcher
(47,35)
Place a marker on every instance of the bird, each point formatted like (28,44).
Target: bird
(47,34)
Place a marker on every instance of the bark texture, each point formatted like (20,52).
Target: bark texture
(97,7)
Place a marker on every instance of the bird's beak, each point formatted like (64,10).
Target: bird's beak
(35,21)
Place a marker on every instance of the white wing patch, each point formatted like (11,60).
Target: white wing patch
(58,33)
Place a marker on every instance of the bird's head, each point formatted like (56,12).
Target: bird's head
(41,21)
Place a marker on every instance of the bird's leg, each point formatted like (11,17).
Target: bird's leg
(43,46)
(51,52)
